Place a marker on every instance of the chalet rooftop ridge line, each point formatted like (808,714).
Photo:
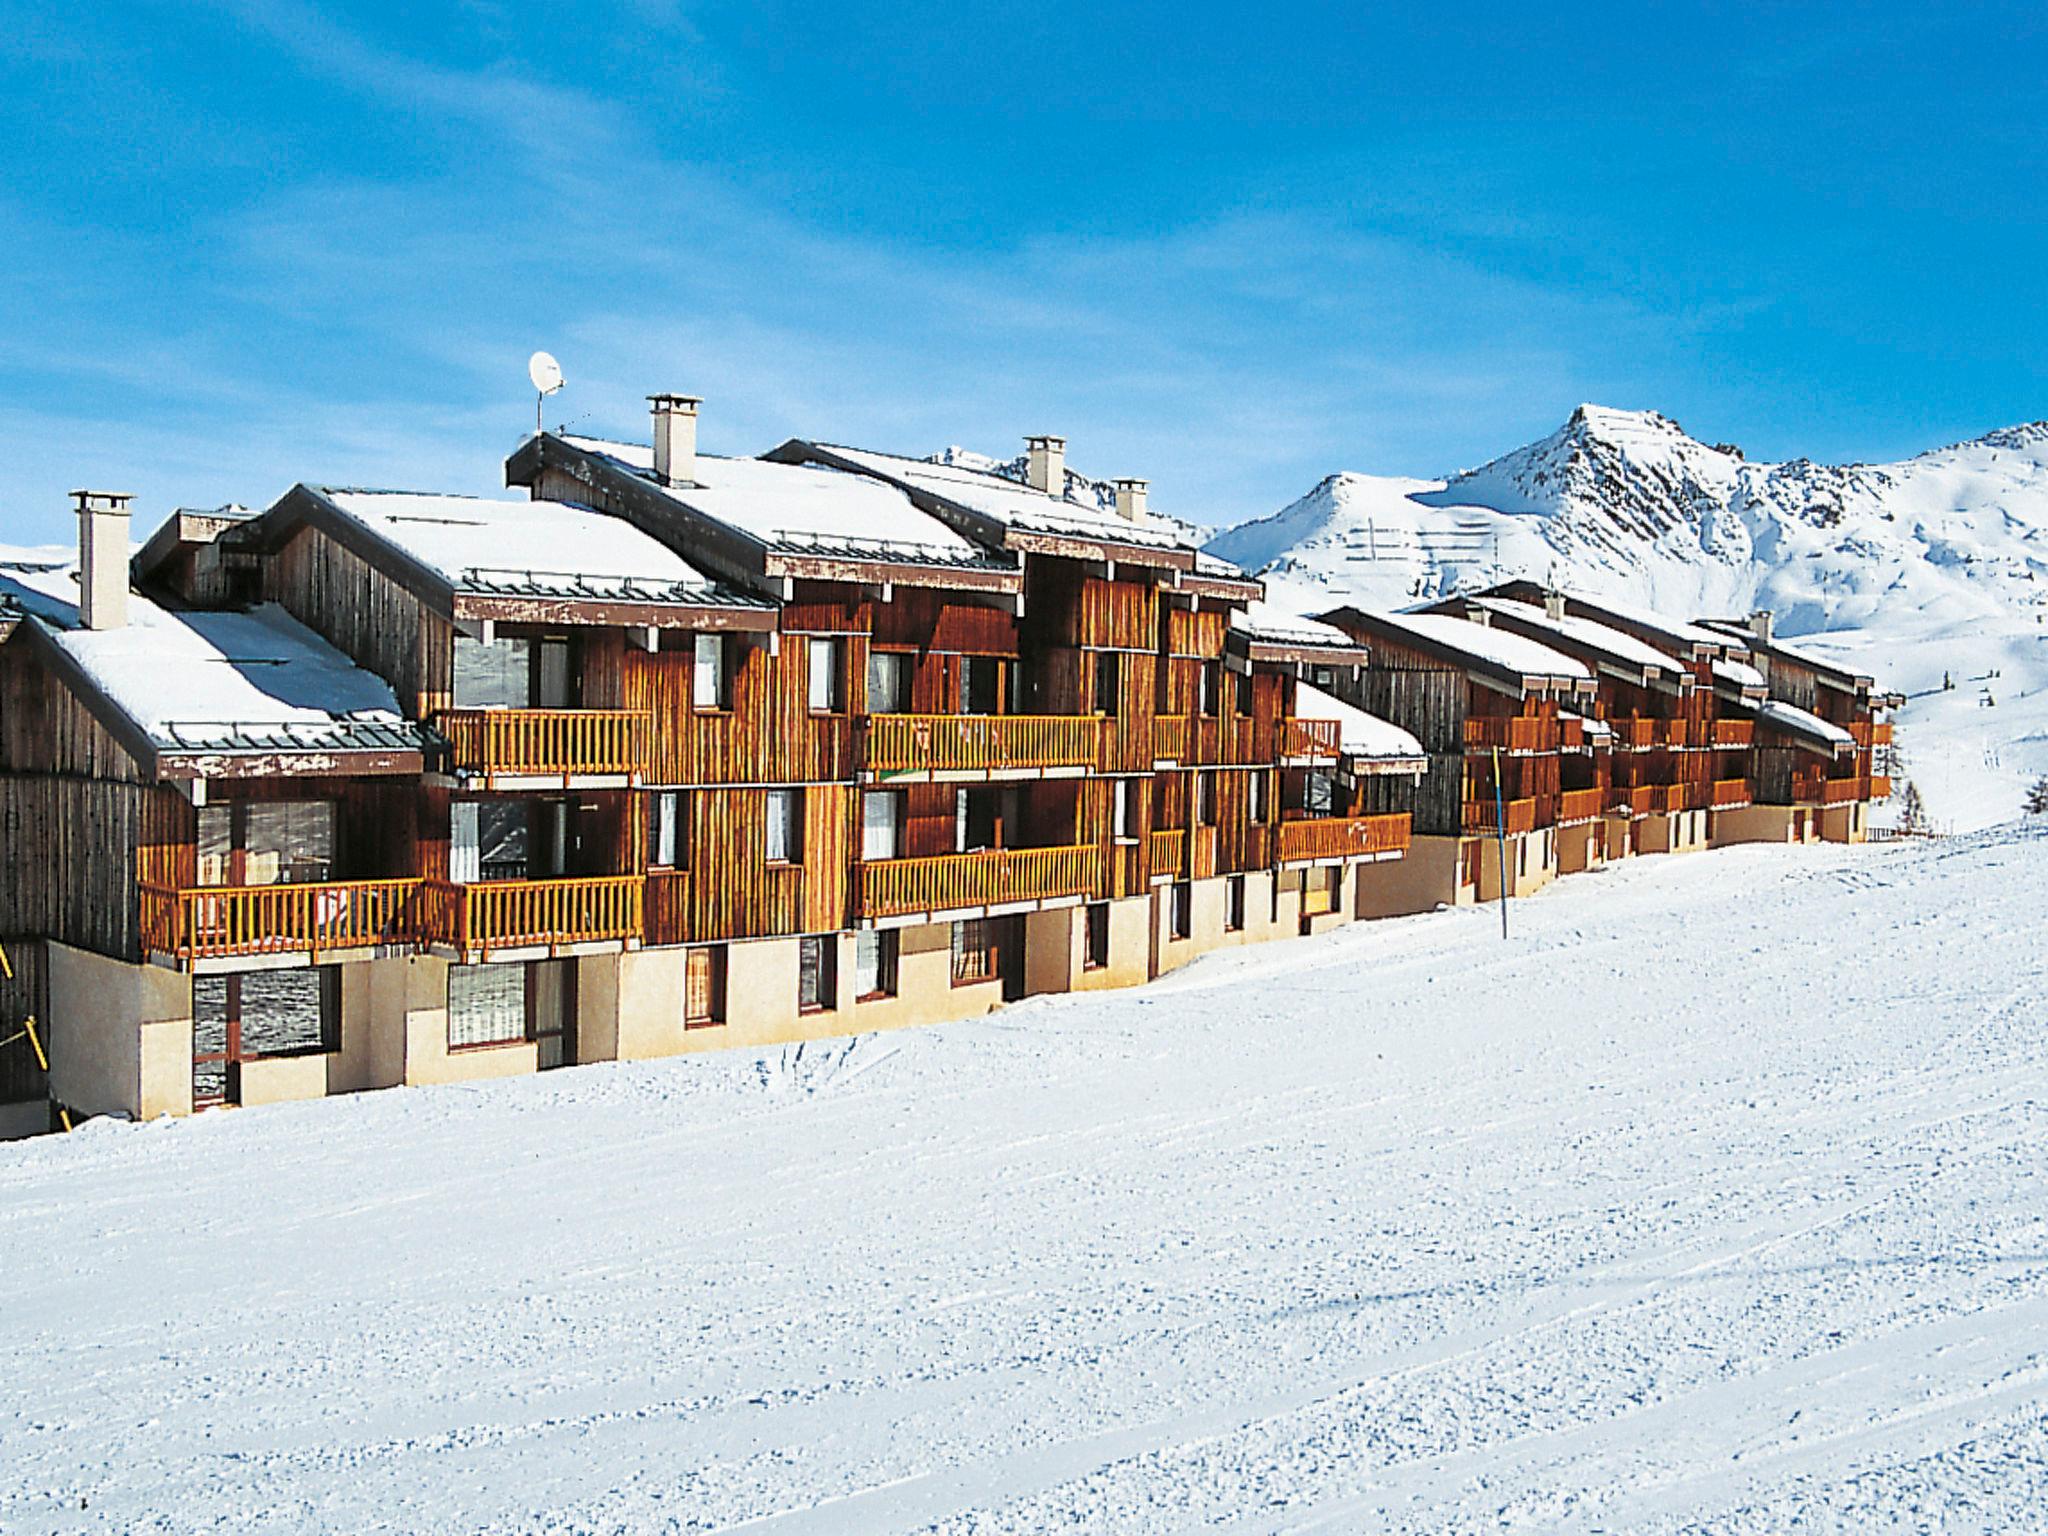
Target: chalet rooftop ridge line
(380,787)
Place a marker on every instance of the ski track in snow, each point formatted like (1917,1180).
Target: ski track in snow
(1707,1202)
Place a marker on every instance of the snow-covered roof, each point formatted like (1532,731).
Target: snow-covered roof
(1670,631)
(1486,644)
(497,544)
(1827,666)
(1359,734)
(218,682)
(804,508)
(1740,674)
(1614,644)
(1019,506)
(1261,620)
(1798,722)
(1594,725)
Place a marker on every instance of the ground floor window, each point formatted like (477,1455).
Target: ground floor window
(1322,890)
(817,986)
(1095,954)
(1233,904)
(977,952)
(486,1005)
(256,1014)
(1181,908)
(874,964)
(703,987)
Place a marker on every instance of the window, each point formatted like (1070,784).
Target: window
(554,673)
(785,826)
(1108,682)
(826,672)
(711,679)
(1205,799)
(665,843)
(888,682)
(1119,812)
(1244,693)
(506,839)
(1131,808)
(977,955)
(1255,796)
(703,987)
(257,1014)
(1210,693)
(498,675)
(881,824)
(980,815)
(874,964)
(486,1005)
(1319,890)
(1233,905)
(266,842)
(1181,908)
(1095,954)
(817,980)
(981,685)
(1318,794)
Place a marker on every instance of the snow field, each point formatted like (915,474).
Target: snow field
(1708,1201)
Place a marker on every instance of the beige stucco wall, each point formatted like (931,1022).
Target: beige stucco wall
(1421,880)
(120,1035)
(1845,823)
(279,1079)
(1756,824)
(1582,847)
(1620,840)
(1130,947)
(1674,832)
(1531,859)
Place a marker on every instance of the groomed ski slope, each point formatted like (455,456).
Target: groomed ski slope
(1712,1200)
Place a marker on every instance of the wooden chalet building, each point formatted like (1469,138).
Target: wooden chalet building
(677,752)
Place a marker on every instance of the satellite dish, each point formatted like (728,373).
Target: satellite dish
(545,372)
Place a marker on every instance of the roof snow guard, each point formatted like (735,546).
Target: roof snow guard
(587,586)
(288,736)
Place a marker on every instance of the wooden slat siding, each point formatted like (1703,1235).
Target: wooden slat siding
(201,923)
(1511,733)
(667,913)
(916,618)
(525,742)
(1734,733)
(1342,837)
(750,897)
(519,914)
(890,887)
(769,736)
(1880,786)
(46,728)
(367,616)
(24,995)
(1842,791)
(1581,804)
(1429,701)
(76,845)
(1128,738)
(1198,632)
(914,743)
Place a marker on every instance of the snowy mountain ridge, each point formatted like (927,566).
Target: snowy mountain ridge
(1626,503)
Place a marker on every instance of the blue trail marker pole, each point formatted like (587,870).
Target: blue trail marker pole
(1500,833)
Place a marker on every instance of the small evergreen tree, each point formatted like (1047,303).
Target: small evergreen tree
(2037,797)
(1912,810)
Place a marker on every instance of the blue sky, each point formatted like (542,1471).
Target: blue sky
(251,243)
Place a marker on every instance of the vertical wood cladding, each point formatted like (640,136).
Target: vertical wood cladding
(45,729)
(738,893)
(367,616)
(86,841)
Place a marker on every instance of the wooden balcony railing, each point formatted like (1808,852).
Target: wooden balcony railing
(1881,733)
(1510,733)
(1880,786)
(1680,797)
(524,914)
(1734,733)
(954,881)
(1480,816)
(970,743)
(1640,801)
(1170,738)
(1729,793)
(1310,738)
(1169,851)
(211,922)
(1571,734)
(1842,791)
(546,743)
(1342,837)
(1634,731)
(1576,805)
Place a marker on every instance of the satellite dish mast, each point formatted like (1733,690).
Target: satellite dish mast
(546,374)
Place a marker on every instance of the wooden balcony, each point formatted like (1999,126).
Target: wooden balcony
(975,746)
(1171,738)
(1514,734)
(1482,816)
(1731,794)
(964,882)
(1634,732)
(1843,791)
(1734,734)
(1343,837)
(552,915)
(311,922)
(1880,786)
(1571,734)
(1881,733)
(1168,849)
(1672,798)
(531,748)
(1316,739)
(1577,805)
(1640,801)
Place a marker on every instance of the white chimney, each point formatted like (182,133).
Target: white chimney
(675,438)
(1045,464)
(1130,499)
(102,558)
(1553,604)
(1760,624)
